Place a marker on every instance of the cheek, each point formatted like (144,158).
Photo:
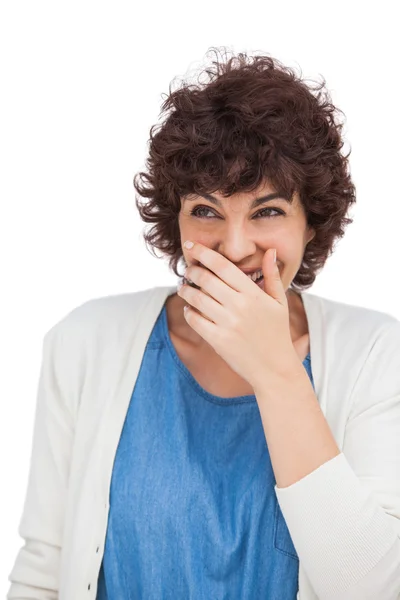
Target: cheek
(289,248)
(193,233)
(289,253)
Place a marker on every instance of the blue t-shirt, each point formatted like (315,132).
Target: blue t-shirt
(193,511)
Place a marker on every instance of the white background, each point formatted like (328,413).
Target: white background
(81,84)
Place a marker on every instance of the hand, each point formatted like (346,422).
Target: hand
(248,327)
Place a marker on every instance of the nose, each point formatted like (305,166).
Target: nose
(236,245)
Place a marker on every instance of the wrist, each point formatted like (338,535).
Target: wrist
(291,373)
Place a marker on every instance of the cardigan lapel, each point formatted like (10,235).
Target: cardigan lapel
(317,331)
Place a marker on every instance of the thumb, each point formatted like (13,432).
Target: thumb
(272,277)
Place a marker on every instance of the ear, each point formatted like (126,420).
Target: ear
(311,234)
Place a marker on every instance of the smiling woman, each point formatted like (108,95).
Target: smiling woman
(248,448)
(242,233)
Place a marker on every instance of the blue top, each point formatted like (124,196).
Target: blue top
(193,511)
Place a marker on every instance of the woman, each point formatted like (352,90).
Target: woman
(248,447)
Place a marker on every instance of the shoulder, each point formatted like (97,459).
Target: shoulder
(351,319)
(100,317)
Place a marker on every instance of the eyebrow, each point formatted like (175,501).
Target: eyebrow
(254,204)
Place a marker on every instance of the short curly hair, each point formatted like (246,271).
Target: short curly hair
(252,120)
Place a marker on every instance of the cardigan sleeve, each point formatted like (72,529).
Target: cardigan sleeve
(344,517)
(35,573)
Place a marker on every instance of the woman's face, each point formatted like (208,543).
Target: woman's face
(242,233)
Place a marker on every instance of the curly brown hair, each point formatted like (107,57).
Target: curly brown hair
(252,120)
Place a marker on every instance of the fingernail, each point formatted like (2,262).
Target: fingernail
(188,244)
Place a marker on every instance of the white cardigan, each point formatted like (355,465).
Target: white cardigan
(343,518)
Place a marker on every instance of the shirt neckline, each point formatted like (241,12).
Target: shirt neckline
(249,398)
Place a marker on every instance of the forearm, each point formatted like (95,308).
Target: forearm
(298,436)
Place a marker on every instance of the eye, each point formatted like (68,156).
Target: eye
(199,211)
(277,210)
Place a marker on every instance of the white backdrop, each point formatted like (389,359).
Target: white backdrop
(81,84)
